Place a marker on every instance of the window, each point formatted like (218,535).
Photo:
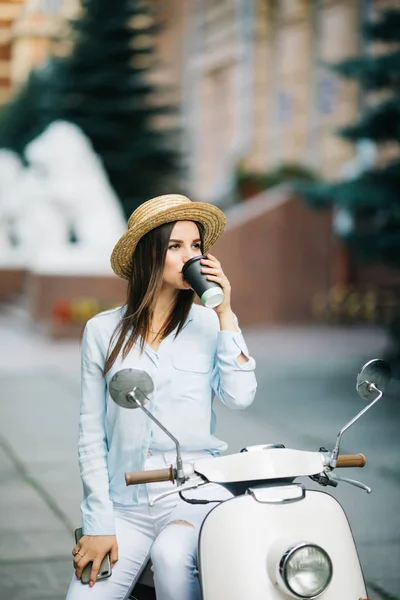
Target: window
(51,6)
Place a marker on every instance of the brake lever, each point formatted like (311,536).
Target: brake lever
(358,484)
(180,488)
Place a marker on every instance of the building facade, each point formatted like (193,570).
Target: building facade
(35,29)
(9,13)
(256,95)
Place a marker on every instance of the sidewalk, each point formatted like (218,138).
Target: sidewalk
(39,403)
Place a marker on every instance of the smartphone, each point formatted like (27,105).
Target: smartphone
(105,567)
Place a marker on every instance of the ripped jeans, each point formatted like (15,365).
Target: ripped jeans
(167,533)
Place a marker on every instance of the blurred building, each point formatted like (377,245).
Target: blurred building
(255,94)
(9,12)
(38,28)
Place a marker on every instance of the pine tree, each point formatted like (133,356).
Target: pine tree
(372,198)
(23,118)
(104,87)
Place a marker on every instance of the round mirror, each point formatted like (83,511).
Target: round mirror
(126,381)
(375,371)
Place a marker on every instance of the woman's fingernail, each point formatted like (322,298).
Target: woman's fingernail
(112,565)
(91,584)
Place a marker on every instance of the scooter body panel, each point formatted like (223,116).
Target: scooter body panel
(281,463)
(242,541)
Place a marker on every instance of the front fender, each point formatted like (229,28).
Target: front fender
(238,538)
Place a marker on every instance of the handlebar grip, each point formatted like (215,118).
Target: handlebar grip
(351,460)
(136,477)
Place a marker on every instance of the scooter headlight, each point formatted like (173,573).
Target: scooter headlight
(306,570)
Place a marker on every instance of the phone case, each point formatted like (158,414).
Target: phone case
(105,567)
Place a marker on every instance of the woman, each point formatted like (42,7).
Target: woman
(192,353)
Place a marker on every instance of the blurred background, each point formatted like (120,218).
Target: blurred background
(286,114)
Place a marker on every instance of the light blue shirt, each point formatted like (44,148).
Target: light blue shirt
(187,371)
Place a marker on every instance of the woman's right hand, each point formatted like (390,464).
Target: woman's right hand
(93,548)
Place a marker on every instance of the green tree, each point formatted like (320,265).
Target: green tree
(23,118)
(104,87)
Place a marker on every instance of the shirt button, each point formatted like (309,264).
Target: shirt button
(148,454)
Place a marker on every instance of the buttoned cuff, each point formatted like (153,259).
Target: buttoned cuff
(230,345)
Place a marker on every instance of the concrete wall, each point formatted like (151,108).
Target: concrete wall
(277,255)
(62,304)
(11,283)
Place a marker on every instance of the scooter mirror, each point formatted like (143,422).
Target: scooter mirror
(126,381)
(375,371)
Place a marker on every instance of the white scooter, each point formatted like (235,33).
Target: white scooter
(274,539)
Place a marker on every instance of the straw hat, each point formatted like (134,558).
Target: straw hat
(160,210)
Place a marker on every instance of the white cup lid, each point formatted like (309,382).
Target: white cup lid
(213,297)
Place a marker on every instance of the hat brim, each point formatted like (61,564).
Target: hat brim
(210,216)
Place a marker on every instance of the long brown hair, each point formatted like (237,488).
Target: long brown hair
(143,288)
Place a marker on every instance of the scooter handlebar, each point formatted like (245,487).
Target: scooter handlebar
(351,460)
(134,478)
(168,474)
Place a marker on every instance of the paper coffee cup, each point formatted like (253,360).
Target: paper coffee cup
(209,292)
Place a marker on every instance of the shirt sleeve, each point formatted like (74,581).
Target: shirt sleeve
(96,507)
(233,383)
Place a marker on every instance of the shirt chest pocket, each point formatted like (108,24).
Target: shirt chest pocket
(191,377)
(192,363)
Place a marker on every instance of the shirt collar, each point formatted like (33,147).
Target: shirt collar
(189,318)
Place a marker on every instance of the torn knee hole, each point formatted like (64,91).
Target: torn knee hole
(186,523)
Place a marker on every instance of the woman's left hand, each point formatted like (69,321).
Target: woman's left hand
(212,268)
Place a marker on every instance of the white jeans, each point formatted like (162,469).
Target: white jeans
(150,532)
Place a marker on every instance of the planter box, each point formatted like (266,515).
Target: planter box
(63,303)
